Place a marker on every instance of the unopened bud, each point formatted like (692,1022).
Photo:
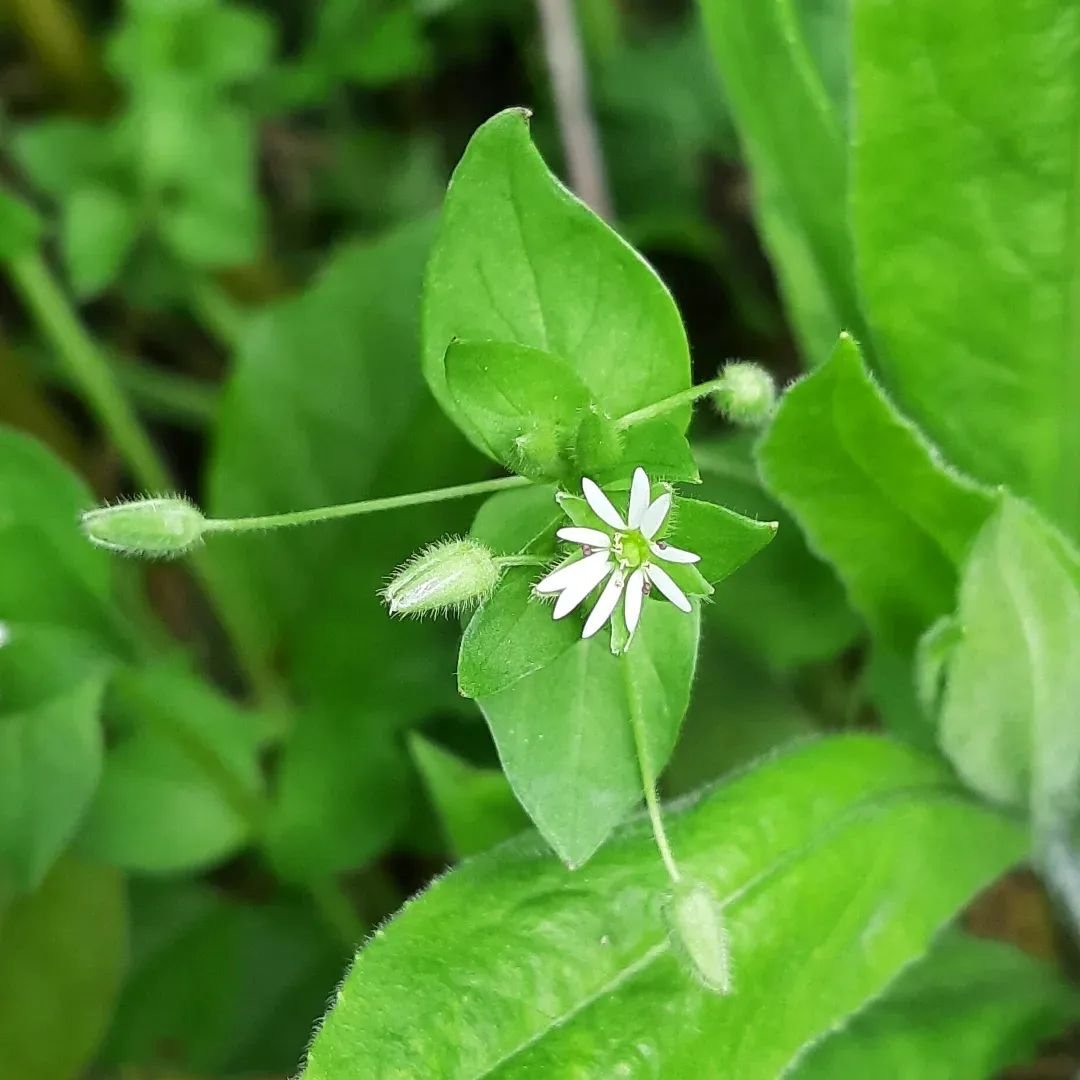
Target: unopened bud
(696,921)
(538,453)
(446,576)
(748,394)
(163,527)
(599,443)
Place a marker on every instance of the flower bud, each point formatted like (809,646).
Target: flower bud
(748,394)
(163,527)
(443,577)
(538,453)
(599,443)
(696,922)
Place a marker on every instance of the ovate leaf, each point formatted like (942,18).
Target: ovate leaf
(872,496)
(1010,720)
(51,747)
(565,735)
(836,865)
(62,956)
(519,259)
(966,182)
(967,1011)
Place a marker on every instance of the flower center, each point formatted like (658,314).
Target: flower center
(632,549)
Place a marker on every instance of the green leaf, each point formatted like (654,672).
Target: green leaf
(966,182)
(524,519)
(967,1011)
(660,448)
(873,497)
(520,259)
(510,636)
(51,747)
(97,233)
(564,733)
(476,806)
(62,155)
(48,572)
(785,606)
(20,228)
(181,785)
(62,956)
(786,118)
(836,865)
(510,393)
(1009,716)
(724,539)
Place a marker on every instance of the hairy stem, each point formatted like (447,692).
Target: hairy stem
(669,404)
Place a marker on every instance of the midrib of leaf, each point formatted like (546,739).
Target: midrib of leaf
(649,956)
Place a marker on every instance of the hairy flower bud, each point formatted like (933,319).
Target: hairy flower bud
(538,453)
(163,527)
(697,925)
(598,446)
(748,394)
(446,576)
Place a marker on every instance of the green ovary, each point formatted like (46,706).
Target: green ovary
(632,549)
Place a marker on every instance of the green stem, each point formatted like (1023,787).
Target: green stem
(366,506)
(648,780)
(337,912)
(522,560)
(669,404)
(93,375)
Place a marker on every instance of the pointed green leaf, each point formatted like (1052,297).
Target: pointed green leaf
(724,540)
(872,496)
(564,733)
(98,231)
(966,184)
(836,865)
(520,259)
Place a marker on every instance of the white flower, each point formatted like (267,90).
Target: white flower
(627,556)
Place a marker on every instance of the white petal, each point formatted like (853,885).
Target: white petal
(559,579)
(639,498)
(601,504)
(653,518)
(635,593)
(662,580)
(603,608)
(592,537)
(673,554)
(582,585)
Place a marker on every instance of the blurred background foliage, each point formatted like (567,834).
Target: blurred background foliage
(218,782)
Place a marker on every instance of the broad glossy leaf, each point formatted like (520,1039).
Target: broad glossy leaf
(475,806)
(520,259)
(785,118)
(966,174)
(62,957)
(51,746)
(836,863)
(1010,719)
(509,393)
(967,1011)
(785,605)
(564,733)
(510,636)
(48,572)
(162,804)
(872,496)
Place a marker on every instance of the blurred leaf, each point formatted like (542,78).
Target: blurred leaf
(217,986)
(62,956)
(969,187)
(370,42)
(1010,720)
(968,1010)
(51,747)
(476,807)
(98,230)
(63,155)
(565,737)
(785,605)
(519,259)
(181,784)
(785,119)
(20,228)
(507,392)
(836,864)
(873,498)
(48,571)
